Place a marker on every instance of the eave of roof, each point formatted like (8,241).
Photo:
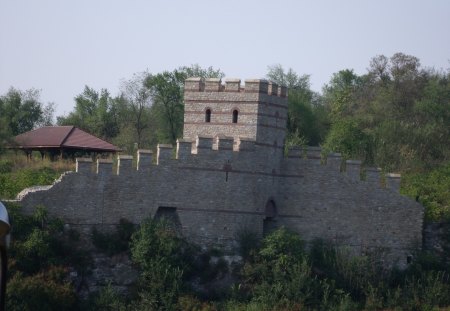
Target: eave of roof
(62,137)
(80,139)
(44,136)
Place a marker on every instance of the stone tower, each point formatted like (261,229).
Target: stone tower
(257,112)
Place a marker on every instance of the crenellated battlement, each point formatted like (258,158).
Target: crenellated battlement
(164,153)
(185,148)
(204,142)
(353,169)
(314,153)
(225,143)
(83,165)
(393,181)
(234,85)
(104,167)
(144,160)
(373,175)
(334,161)
(187,151)
(245,144)
(124,164)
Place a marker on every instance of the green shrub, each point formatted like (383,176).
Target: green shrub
(282,244)
(6,166)
(21,224)
(426,292)
(36,240)
(351,273)
(347,137)
(163,258)
(432,190)
(39,252)
(420,287)
(39,241)
(43,291)
(34,253)
(248,242)
(160,286)
(190,303)
(158,240)
(106,299)
(280,276)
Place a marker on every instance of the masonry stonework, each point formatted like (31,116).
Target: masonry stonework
(230,174)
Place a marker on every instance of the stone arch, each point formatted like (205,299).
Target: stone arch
(270,217)
(170,215)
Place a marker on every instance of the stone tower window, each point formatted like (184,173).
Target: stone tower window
(235,116)
(208,115)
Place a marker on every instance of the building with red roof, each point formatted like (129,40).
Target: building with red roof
(61,140)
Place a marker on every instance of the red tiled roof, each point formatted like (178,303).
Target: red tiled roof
(62,137)
(48,136)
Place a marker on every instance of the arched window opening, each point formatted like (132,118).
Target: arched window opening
(208,115)
(235,116)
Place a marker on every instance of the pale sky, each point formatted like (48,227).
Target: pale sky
(60,46)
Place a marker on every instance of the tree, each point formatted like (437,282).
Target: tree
(342,99)
(431,190)
(21,111)
(289,79)
(379,68)
(136,100)
(307,119)
(5,134)
(48,113)
(340,93)
(396,116)
(94,112)
(166,90)
(196,71)
(431,120)
(347,137)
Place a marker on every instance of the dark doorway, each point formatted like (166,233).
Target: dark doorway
(169,214)
(270,213)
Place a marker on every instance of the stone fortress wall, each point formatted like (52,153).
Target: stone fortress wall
(230,174)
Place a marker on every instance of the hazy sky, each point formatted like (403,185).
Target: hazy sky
(60,46)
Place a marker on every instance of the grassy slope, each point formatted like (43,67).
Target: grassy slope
(16,173)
